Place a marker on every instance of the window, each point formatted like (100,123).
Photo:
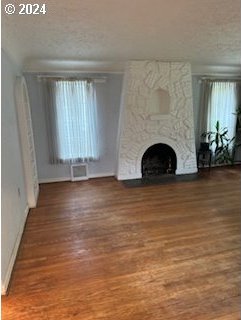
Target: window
(219,102)
(72,121)
(222,106)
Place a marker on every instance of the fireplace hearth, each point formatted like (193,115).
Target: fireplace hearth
(159,159)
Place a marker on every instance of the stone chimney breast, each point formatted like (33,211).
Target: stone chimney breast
(156,108)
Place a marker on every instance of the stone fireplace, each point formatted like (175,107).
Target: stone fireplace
(159,159)
(156,109)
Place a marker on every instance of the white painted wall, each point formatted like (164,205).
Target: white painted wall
(14,201)
(108,97)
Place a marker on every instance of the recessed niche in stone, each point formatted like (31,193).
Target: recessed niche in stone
(158,159)
(159,102)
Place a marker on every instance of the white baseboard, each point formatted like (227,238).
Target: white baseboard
(50,180)
(93,175)
(6,280)
(101,175)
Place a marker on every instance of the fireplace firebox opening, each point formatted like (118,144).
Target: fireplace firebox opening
(159,159)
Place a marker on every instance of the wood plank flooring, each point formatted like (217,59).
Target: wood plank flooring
(97,250)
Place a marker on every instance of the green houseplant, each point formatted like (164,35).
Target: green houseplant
(223,152)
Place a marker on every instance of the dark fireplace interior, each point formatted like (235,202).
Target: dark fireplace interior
(158,160)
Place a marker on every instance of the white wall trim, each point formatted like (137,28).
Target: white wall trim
(79,66)
(101,175)
(51,180)
(218,70)
(62,179)
(26,141)
(6,280)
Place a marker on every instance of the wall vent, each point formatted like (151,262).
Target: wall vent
(79,172)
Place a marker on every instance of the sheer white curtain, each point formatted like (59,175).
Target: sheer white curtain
(222,106)
(219,104)
(72,121)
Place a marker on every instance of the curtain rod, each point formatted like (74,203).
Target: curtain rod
(227,78)
(71,78)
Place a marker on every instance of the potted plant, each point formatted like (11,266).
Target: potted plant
(223,152)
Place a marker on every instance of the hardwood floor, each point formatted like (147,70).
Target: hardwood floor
(97,250)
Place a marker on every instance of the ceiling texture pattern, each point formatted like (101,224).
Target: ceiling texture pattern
(205,32)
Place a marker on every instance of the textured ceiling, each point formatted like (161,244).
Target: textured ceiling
(204,32)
